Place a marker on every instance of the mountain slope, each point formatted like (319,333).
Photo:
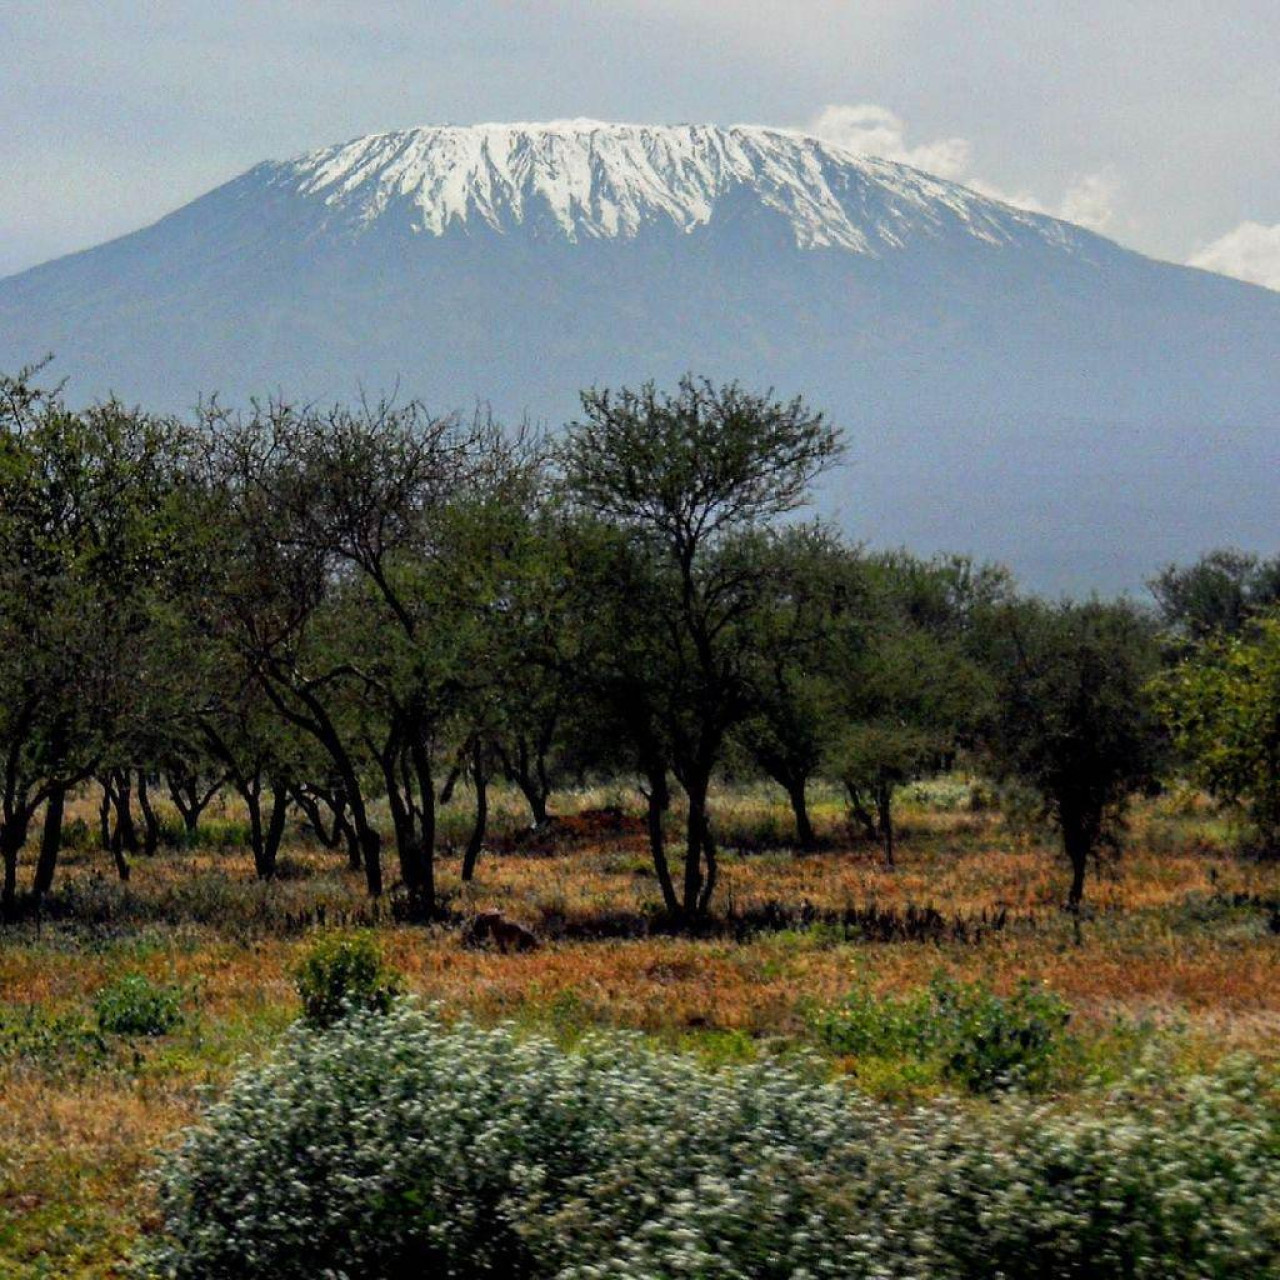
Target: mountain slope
(1011,384)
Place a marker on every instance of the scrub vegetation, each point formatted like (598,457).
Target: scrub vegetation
(629,877)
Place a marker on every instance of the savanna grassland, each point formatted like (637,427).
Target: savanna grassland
(1175,963)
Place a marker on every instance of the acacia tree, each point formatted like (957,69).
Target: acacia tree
(378,529)
(1073,718)
(908,686)
(691,481)
(91,534)
(1222,706)
(906,700)
(815,609)
(266,609)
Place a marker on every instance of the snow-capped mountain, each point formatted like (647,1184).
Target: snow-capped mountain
(587,180)
(1012,385)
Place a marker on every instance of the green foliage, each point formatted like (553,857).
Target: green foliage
(1222,705)
(92,549)
(907,689)
(990,1042)
(341,974)
(36,1037)
(394,1146)
(1073,721)
(135,1006)
(1216,596)
(685,490)
(976,1038)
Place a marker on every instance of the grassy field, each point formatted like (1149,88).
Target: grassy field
(1176,961)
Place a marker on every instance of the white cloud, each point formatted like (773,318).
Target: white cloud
(1090,201)
(1250,252)
(867,128)
(871,130)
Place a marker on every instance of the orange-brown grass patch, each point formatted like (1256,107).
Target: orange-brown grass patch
(1176,934)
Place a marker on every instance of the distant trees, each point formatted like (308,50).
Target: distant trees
(1222,705)
(352,616)
(1072,719)
(1217,595)
(806,626)
(910,689)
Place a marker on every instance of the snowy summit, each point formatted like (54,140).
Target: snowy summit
(594,181)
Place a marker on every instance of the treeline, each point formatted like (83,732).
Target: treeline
(332,611)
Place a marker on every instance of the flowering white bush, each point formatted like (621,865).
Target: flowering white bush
(395,1146)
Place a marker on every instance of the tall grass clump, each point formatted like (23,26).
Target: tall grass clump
(394,1145)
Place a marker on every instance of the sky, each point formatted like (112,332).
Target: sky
(1155,122)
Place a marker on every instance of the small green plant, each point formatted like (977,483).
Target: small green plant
(867,1025)
(342,973)
(136,1006)
(989,1042)
(976,1038)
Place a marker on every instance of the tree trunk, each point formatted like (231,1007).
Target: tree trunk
(321,726)
(104,814)
(275,828)
(529,778)
(355,855)
(126,831)
(709,853)
(151,826)
(250,789)
(1077,846)
(695,835)
(884,818)
(404,821)
(13,835)
(420,756)
(310,803)
(800,808)
(118,853)
(659,799)
(187,797)
(50,841)
(860,813)
(537,801)
(476,842)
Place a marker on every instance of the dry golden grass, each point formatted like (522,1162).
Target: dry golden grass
(1162,943)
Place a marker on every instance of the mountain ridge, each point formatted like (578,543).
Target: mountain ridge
(604,180)
(1011,385)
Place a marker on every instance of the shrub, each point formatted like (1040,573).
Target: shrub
(136,1006)
(989,1042)
(342,973)
(396,1146)
(978,1039)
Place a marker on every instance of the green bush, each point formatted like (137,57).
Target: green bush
(136,1006)
(978,1039)
(343,973)
(394,1145)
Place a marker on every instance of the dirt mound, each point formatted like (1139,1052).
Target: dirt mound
(591,826)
